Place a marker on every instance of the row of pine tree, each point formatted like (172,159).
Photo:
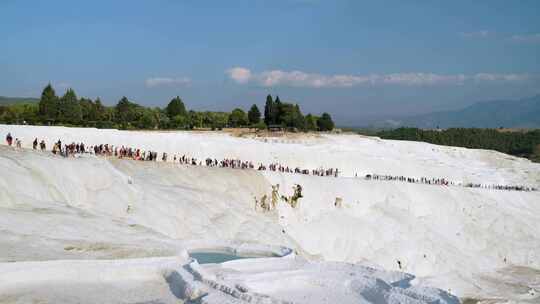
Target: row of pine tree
(70,110)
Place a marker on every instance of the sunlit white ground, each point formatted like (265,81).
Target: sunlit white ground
(117,226)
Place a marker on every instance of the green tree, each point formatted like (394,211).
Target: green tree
(48,104)
(176,107)
(260,126)
(291,116)
(147,119)
(70,108)
(126,112)
(207,119)
(325,122)
(100,110)
(162,119)
(269,110)
(277,112)
(88,110)
(238,118)
(31,113)
(109,114)
(299,121)
(216,120)
(3,113)
(195,119)
(8,115)
(20,114)
(254,115)
(311,122)
(180,122)
(536,153)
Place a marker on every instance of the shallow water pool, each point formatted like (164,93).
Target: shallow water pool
(214,257)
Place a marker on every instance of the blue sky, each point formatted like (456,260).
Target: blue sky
(358,60)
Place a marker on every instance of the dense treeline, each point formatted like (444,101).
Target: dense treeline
(277,113)
(71,110)
(522,144)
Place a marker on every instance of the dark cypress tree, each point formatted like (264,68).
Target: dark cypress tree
(176,107)
(254,115)
(48,104)
(268,110)
(277,112)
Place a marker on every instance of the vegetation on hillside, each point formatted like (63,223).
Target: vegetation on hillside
(71,110)
(523,144)
(17,100)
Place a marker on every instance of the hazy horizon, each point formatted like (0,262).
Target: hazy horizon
(358,61)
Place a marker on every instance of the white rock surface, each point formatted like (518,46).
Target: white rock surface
(475,243)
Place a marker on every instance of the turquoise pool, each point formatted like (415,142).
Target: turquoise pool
(214,257)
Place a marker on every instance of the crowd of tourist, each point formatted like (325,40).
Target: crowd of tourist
(422,180)
(107,150)
(445,182)
(500,187)
(73,149)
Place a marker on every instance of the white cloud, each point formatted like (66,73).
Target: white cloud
(312,80)
(421,79)
(484,34)
(477,34)
(526,38)
(167,82)
(500,77)
(239,74)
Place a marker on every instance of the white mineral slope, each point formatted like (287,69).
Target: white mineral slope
(177,280)
(144,201)
(352,154)
(465,240)
(70,228)
(476,243)
(289,278)
(147,280)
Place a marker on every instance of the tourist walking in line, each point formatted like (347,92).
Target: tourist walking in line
(9,139)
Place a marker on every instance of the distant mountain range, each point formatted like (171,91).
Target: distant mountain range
(16,100)
(523,113)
